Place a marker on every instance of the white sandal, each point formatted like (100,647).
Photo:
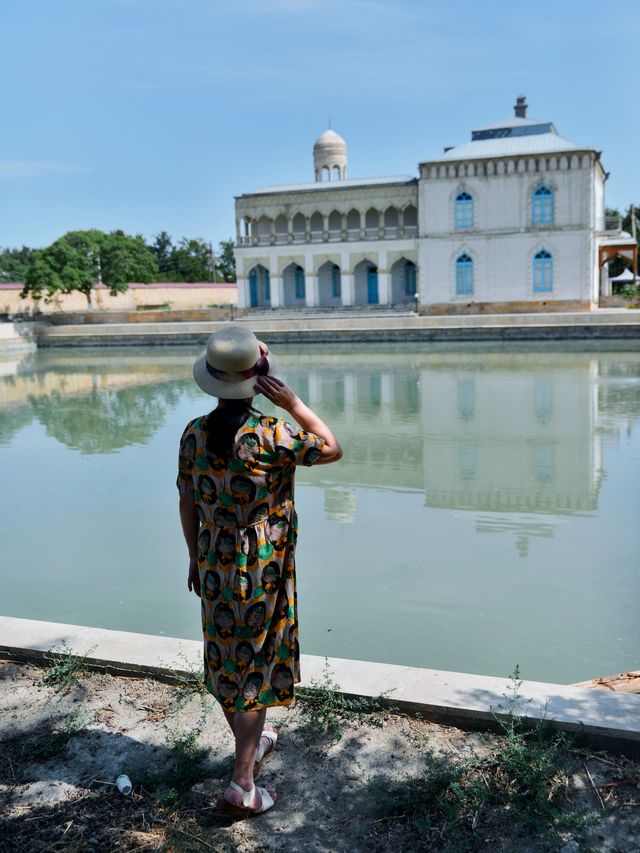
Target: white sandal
(245,809)
(263,751)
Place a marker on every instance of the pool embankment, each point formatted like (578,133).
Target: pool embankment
(602,719)
(601,324)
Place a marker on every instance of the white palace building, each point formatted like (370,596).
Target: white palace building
(513,220)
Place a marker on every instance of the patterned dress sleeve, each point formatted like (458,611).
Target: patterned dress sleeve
(186,457)
(296,445)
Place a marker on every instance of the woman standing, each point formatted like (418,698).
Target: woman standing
(236,482)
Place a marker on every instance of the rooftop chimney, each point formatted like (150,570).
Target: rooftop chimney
(521,107)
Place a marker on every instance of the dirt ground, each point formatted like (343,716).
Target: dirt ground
(62,744)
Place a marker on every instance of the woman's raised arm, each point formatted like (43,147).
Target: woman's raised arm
(280,394)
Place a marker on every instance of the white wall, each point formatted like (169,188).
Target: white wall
(503,239)
(503,267)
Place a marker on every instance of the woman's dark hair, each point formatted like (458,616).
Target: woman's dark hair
(222,425)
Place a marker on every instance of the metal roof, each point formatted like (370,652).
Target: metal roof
(323,186)
(513,122)
(542,143)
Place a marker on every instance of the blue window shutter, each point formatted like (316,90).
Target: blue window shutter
(542,204)
(543,272)
(464,275)
(463,215)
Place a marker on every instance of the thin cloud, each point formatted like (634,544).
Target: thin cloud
(30,168)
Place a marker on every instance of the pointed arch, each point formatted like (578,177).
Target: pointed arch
(463,210)
(354,224)
(365,279)
(542,205)
(403,282)
(464,274)
(329,284)
(293,286)
(259,287)
(542,271)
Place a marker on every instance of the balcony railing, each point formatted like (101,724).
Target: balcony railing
(336,236)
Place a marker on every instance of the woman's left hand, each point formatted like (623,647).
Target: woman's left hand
(193,578)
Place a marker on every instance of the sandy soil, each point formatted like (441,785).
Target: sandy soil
(61,750)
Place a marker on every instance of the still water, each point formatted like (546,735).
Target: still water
(485,514)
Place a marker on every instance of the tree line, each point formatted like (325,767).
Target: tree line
(80,260)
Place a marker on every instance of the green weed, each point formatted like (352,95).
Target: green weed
(42,746)
(324,710)
(519,778)
(65,667)
(185,770)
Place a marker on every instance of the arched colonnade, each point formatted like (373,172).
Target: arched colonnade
(330,286)
(390,223)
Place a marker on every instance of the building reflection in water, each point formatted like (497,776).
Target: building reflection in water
(515,435)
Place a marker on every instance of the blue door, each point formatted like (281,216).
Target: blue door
(253,289)
(372,286)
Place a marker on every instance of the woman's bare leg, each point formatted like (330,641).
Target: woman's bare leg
(231,717)
(247,728)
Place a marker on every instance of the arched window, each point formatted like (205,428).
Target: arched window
(464,274)
(463,210)
(542,272)
(542,206)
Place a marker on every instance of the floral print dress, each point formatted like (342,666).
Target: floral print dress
(246,558)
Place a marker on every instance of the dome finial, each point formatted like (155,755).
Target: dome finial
(330,156)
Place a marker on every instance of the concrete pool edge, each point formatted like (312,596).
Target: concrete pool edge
(602,719)
(601,324)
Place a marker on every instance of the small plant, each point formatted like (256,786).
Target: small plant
(531,762)
(186,770)
(520,777)
(42,746)
(324,709)
(65,667)
(631,293)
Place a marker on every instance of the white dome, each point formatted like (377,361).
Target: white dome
(330,157)
(330,140)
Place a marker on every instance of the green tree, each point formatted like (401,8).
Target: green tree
(124,259)
(226,261)
(14,264)
(192,260)
(80,260)
(163,248)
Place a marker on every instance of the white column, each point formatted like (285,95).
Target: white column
(311,291)
(605,283)
(384,280)
(311,294)
(275,283)
(347,287)
(384,287)
(242,284)
(243,291)
(277,291)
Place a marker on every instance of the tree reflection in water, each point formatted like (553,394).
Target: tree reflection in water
(11,422)
(103,422)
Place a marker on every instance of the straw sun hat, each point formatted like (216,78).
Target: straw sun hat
(232,362)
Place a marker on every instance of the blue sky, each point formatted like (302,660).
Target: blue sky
(152,114)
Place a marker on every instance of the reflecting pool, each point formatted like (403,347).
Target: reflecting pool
(485,513)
